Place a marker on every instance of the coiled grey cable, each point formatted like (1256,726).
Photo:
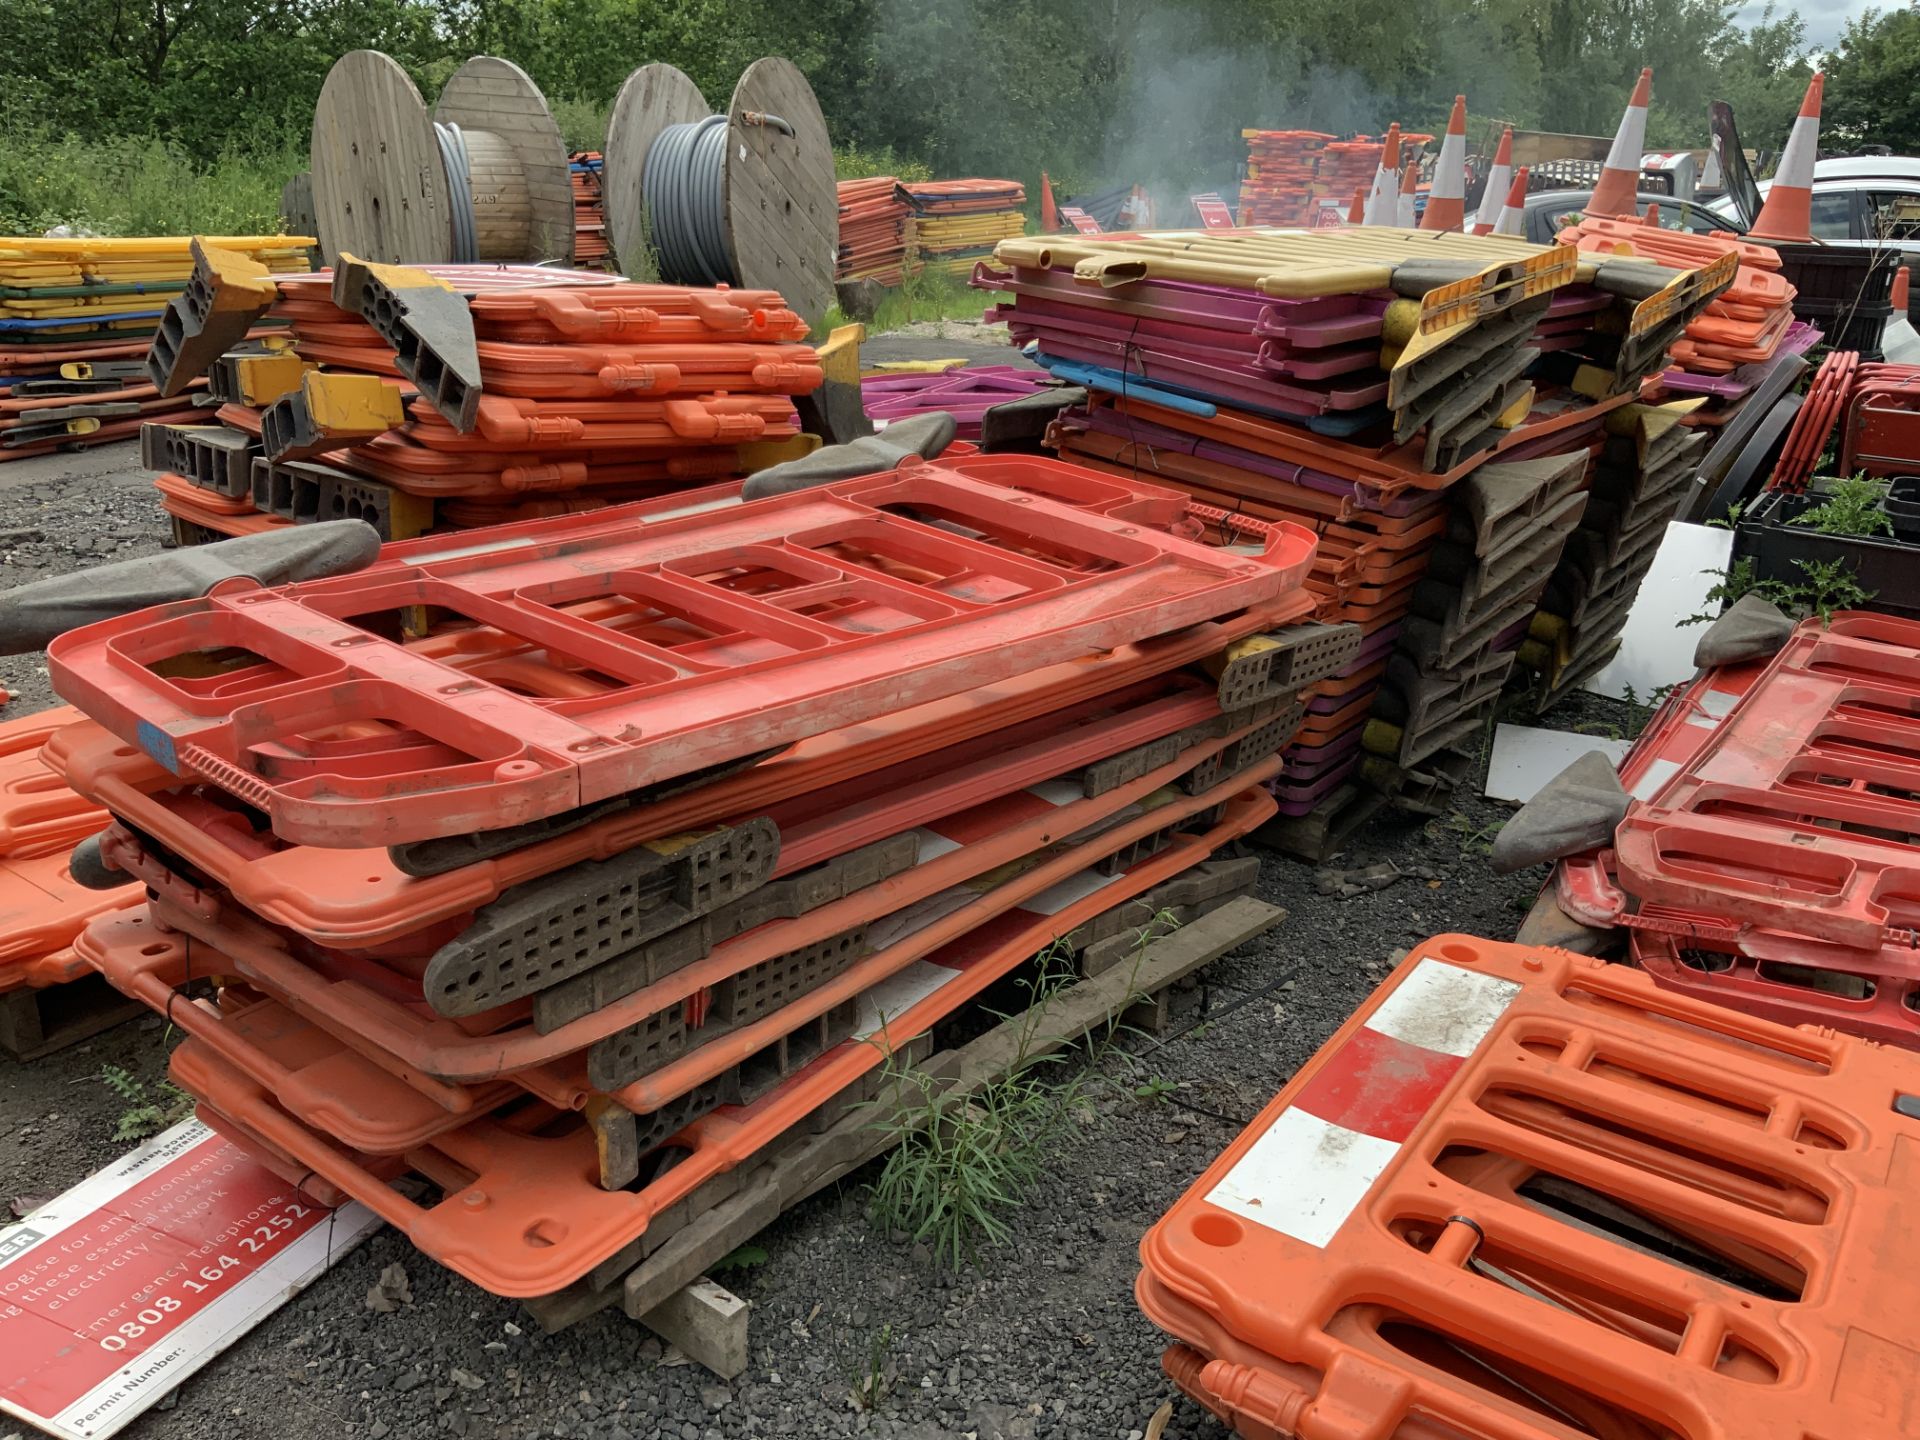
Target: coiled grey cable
(685,194)
(453,152)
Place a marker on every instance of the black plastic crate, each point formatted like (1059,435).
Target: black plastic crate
(1886,565)
(1828,274)
(1847,325)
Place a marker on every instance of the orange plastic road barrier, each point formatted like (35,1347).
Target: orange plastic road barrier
(178,487)
(384,1089)
(41,819)
(401,461)
(357,899)
(1814,422)
(523,1213)
(1812,752)
(252,522)
(285,886)
(364,1010)
(521,424)
(1690,714)
(1525,1194)
(803,612)
(623,313)
(39,813)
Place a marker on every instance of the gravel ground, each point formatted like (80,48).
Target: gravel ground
(1041,1339)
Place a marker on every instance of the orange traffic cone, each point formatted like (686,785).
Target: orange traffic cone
(1357,211)
(1499,178)
(1404,215)
(1380,199)
(1898,298)
(1620,177)
(1513,214)
(1049,212)
(1788,211)
(1447,198)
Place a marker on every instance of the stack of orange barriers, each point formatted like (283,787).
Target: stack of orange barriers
(838,760)
(1523,1193)
(1279,189)
(876,231)
(42,908)
(592,391)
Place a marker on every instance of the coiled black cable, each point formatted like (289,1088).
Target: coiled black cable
(685,193)
(453,152)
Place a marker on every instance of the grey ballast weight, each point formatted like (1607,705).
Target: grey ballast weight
(1751,629)
(1576,811)
(921,438)
(32,615)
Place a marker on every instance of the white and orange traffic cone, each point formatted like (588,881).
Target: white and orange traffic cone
(1788,211)
(1513,214)
(1499,178)
(1620,177)
(1386,182)
(1447,197)
(1404,215)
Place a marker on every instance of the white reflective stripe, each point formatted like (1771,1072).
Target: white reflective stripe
(1445,1008)
(1493,200)
(932,846)
(1405,210)
(1796,161)
(1055,898)
(1629,141)
(1657,774)
(1512,221)
(1304,1177)
(1450,170)
(899,993)
(1058,792)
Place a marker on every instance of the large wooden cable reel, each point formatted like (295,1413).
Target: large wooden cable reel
(382,188)
(771,219)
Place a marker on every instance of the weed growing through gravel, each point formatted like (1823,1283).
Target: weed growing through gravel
(962,1161)
(150,1109)
(1474,839)
(875,1373)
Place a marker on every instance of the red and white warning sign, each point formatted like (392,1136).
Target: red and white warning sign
(120,1289)
(1213,211)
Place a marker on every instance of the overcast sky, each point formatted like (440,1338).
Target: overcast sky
(1824,18)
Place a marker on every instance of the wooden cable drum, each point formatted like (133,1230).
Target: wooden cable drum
(746,199)
(484,178)
(296,205)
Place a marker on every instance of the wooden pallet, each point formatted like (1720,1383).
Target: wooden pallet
(667,1290)
(38,1022)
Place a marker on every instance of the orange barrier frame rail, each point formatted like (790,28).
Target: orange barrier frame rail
(1526,1195)
(789,616)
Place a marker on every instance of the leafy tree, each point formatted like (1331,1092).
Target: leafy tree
(1873,82)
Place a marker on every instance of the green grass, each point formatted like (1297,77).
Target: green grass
(137,187)
(922,298)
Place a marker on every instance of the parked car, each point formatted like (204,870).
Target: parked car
(1861,202)
(1549,212)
